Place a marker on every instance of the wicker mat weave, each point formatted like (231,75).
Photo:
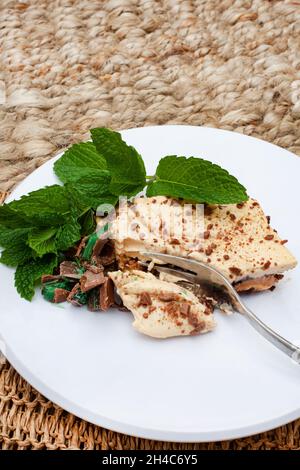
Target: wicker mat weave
(69,65)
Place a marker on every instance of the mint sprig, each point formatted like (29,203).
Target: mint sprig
(35,229)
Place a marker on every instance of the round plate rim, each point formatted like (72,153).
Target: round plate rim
(127,428)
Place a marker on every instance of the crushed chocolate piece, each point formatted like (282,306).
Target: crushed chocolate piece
(235,270)
(94,300)
(193,319)
(90,280)
(174,241)
(232,217)
(184,309)
(77,297)
(145,299)
(198,329)
(208,311)
(226,257)
(60,295)
(279,276)
(206,234)
(208,251)
(107,294)
(103,252)
(167,296)
(269,237)
(267,265)
(69,269)
(173,309)
(93,268)
(49,277)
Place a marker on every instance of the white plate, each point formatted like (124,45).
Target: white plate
(222,385)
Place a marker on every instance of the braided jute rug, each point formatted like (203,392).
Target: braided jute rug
(69,65)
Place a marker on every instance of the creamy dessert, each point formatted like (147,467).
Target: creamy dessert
(235,239)
(162,309)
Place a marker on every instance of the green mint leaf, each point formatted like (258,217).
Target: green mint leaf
(92,191)
(128,175)
(67,235)
(195,180)
(12,219)
(28,274)
(18,254)
(44,207)
(10,237)
(79,160)
(42,241)
(15,241)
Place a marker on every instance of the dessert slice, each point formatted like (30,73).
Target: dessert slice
(162,309)
(236,239)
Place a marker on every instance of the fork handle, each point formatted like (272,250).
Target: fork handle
(281,343)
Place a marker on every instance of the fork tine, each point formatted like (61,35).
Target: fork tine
(204,272)
(180,274)
(183,263)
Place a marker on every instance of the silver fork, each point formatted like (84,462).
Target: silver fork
(210,279)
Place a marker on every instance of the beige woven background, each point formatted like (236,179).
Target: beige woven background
(68,65)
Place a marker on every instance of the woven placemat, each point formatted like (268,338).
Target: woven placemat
(69,65)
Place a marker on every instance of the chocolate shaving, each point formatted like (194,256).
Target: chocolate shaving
(49,277)
(81,246)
